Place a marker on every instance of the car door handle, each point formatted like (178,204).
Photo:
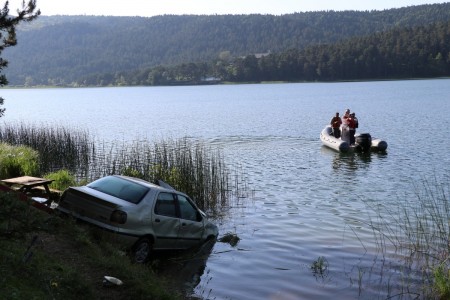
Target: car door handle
(157,220)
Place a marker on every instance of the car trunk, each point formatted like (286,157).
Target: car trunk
(87,205)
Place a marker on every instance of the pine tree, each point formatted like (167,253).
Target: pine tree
(8,24)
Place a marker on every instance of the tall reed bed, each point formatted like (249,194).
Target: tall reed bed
(419,230)
(58,147)
(189,166)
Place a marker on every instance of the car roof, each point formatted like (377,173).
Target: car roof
(165,188)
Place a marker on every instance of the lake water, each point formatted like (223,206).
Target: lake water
(307,202)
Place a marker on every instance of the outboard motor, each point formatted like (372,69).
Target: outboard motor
(363,141)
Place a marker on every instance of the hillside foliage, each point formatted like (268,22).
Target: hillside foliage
(327,45)
(8,24)
(420,52)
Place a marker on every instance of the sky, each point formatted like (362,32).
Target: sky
(148,8)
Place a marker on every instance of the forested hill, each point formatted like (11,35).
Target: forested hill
(60,50)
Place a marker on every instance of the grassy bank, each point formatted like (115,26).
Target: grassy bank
(44,256)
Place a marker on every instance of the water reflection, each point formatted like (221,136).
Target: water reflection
(347,161)
(307,199)
(184,268)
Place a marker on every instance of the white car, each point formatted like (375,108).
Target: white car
(146,216)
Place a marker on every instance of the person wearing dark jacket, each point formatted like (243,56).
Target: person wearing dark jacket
(335,125)
(352,125)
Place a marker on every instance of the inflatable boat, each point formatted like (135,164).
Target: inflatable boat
(363,142)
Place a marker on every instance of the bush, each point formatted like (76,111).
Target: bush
(18,161)
(62,179)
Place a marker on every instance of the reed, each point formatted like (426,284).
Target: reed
(187,165)
(18,161)
(58,147)
(419,230)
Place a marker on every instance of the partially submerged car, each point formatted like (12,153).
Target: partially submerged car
(146,216)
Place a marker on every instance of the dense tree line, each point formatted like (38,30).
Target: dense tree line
(8,23)
(88,50)
(419,52)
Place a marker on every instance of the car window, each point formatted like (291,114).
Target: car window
(121,188)
(187,210)
(165,205)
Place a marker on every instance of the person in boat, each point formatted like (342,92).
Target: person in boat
(346,116)
(345,136)
(336,125)
(355,119)
(352,122)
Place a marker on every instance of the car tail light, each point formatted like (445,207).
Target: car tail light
(119,217)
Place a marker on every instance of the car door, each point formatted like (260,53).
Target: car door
(191,223)
(166,223)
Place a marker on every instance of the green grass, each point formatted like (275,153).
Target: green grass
(40,277)
(18,161)
(62,179)
(441,284)
(45,256)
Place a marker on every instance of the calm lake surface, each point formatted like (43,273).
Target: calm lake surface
(306,201)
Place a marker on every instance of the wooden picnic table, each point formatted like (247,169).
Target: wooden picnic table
(27,183)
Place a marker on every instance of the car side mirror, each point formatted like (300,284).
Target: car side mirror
(199,216)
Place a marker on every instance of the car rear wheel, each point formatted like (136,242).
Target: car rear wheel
(142,250)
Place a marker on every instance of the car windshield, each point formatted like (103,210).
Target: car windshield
(121,188)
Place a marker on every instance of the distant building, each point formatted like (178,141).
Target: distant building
(210,80)
(259,55)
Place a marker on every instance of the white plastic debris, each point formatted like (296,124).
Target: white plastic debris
(109,281)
